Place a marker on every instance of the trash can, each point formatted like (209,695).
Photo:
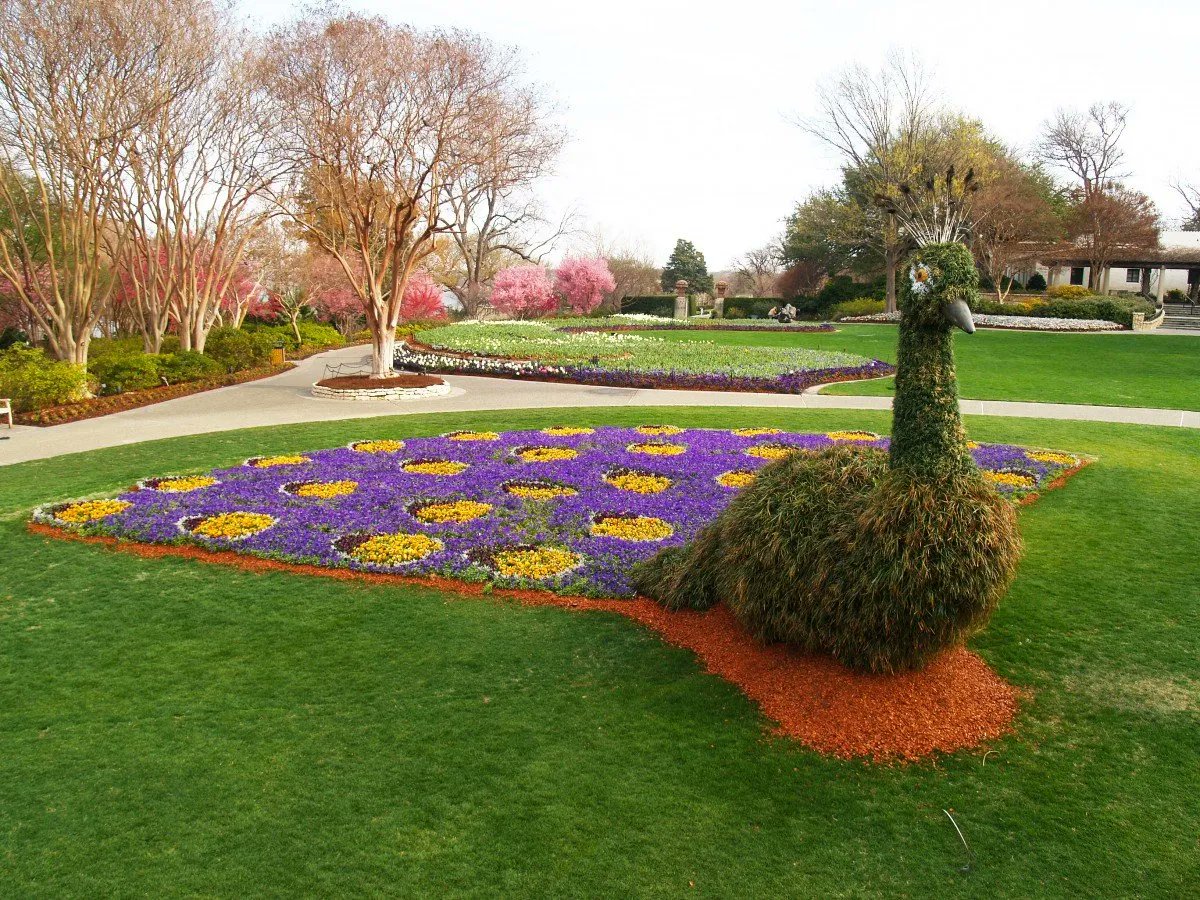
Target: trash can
(277,355)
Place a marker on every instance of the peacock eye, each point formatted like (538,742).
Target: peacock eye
(920,277)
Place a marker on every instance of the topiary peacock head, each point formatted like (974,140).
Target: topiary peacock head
(942,282)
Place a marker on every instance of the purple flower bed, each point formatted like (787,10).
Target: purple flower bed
(592,532)
(496,367)
(705,326)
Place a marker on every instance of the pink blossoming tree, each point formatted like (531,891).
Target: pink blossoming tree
(422,300)
(583,282)
(524,292)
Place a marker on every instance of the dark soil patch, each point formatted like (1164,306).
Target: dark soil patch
(363,382)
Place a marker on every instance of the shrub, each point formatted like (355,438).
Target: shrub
(843,531)
(11,336)
(237,349)
(314,334)
(1068,292)
(860,307)
(524,292)
(1175,295)
(123,370)
(422,300)
(32,380)
(187,365)
(583,282)
(1036,282)
(750,307)
(653,305)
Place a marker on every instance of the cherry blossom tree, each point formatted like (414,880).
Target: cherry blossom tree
(422,301)
(583,282)
(524,292)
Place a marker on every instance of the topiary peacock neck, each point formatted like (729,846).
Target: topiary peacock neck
(928,440)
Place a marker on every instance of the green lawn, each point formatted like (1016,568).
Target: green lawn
(1158,370)
(174,728)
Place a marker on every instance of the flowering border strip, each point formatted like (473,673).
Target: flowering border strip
(443,363)
(825,327)
(1007,323)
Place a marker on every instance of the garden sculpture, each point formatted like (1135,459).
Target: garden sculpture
(880,561)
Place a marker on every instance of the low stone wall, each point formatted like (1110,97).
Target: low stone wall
(394,393)
(1141,323)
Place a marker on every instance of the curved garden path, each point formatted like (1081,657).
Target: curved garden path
(284,400)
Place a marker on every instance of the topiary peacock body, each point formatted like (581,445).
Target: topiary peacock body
(880,561)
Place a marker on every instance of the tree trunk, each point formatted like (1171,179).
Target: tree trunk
(295,320)
(383,351)
(892,263)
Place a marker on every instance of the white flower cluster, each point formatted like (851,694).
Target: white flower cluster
(644,318)
(1025,323)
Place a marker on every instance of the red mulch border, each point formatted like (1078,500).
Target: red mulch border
(365,382)
(956,703)
(103,406)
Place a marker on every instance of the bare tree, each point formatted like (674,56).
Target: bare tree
(632,266)
(758,270)
(1191,196)
(197,174)
(494,219)
(378,123)
(1111,222)
(77,77)
(881,124)
(1013,221)
(1087,144)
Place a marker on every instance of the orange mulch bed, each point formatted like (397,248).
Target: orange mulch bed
(363,382)
(955,703)
(102,406)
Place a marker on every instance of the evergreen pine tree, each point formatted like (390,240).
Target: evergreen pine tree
(687,262)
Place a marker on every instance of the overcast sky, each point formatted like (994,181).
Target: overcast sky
(679,112)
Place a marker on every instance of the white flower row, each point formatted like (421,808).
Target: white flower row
(1033,323)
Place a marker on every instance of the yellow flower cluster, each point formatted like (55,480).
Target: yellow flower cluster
(1011,479)
(754,432)
(658,430)
(864,436)
(534,562)
(232,525)
(380,446)
(972,445)
(434,467)
(267,462)
(772,451)
(184,483)
(737,478)
(657,448)
(326,490)
(473,436)
(451,511)
(546,454)
(632,528)
(90,511)
(395,549)
(567,430)
(539,490)
(639,482)
(1053,457)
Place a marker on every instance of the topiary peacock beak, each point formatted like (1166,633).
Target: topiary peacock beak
(958,313)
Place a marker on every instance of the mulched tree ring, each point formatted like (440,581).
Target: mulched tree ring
(363,382)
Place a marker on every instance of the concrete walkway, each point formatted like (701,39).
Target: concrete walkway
(284,399)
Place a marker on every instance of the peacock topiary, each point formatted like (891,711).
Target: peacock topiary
(881,561)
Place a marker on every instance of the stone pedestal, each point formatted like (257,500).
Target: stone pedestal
(719,300)
(681,300)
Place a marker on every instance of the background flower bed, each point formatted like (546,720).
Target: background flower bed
(1019,322)
(388,500)
(555,351)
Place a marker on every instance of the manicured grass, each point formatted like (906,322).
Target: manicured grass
(174,728)
(1158,370)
